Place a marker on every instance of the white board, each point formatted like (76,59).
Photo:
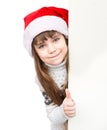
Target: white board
(88,64)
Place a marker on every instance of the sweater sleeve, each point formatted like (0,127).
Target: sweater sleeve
(56,113)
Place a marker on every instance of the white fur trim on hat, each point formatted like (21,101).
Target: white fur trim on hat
(42,24)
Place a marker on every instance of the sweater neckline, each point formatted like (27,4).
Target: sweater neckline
(56,66)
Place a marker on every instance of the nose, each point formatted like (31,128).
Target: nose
(51,48)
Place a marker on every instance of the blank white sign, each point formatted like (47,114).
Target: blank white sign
(88,64)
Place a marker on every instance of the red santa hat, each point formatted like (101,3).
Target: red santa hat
(44,19)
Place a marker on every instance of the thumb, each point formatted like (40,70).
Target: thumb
(68,95)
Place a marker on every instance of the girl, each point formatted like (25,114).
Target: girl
(46,39)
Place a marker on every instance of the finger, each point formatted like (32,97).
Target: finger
(68,95)
(70,113)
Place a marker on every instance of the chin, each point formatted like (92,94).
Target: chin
(57,62)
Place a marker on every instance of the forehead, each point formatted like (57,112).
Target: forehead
(45,35)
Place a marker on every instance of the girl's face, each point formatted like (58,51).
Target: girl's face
(52,50)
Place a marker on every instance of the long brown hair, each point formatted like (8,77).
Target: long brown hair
(57,95)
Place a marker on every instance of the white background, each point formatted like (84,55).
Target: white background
(88,77)
(21,103)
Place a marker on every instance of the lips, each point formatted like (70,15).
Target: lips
(55,55)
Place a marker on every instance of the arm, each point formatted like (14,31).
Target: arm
(56,113)
(59,114)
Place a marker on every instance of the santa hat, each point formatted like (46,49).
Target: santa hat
(44,19)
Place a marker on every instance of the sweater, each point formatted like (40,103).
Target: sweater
(55,113)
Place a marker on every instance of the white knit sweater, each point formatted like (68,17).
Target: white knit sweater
(55,113)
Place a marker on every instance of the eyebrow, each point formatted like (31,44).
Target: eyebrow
(39,43)
(56,35)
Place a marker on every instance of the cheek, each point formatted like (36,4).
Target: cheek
(41,54)
(66,50)
(65,47)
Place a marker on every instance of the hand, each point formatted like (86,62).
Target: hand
(69,105)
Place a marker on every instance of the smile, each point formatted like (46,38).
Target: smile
(55,56)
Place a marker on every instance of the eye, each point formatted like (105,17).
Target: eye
(41,46)
(56,39)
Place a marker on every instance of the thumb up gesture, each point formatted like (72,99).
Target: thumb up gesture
(69,105)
